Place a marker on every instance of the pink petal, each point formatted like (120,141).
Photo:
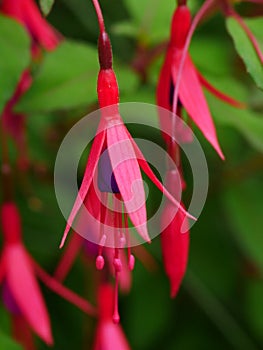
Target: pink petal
(110,336)
(175,246)
(148,171)
(220,95)
(39,28)
(26,291)
(128,176)
(193,99)
(64,292)
(87,179)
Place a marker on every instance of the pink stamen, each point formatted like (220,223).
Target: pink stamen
(100,262)
(131,262)
(116,261)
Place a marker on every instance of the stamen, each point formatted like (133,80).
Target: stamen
(131,258)
(116,315)
(116,261)
(100,260)
(131,262)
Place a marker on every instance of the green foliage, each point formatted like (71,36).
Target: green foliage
(66,79)
(245,49)
(242,204)
(46,6)
(8,344)
(14,58)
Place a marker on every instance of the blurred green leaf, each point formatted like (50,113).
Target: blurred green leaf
(14,58)
(247,122)
(243,207)
(246,50)
(254,305)
(152,18)
(46,6)
(212,56)
(8,344)
(66,79)
(148,308)
(219,314)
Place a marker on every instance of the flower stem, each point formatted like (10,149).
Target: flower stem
(200,14)
(6,171)
(99,15)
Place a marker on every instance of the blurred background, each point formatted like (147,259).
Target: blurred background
(220,304)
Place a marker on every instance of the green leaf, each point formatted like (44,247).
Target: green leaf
(66,79)
(8,344)
(246,50)
(243,203)
(46,6)
(247,122)
(254,306)
(14,58)
(152,17)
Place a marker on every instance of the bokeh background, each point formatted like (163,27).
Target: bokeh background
(220,304)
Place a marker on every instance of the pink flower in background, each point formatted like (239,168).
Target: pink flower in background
(108,335)
(18,271)
(174,240)
(28,14)
(191,95)
(43,35)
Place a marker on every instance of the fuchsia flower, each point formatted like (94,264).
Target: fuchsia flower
(27,13)
(116,159)
(18,271)
(175,244)
(191,95)
(108,335)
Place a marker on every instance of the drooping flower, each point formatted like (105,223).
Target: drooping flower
(108,335)
(174,237)
(18,272)
(191,95)
(28,14)
(113,172)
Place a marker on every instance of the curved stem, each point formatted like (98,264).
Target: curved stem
(99,15)
(64,292)
(204,8)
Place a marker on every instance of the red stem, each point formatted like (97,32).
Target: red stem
(205,7)
(64,292)
(99,15)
